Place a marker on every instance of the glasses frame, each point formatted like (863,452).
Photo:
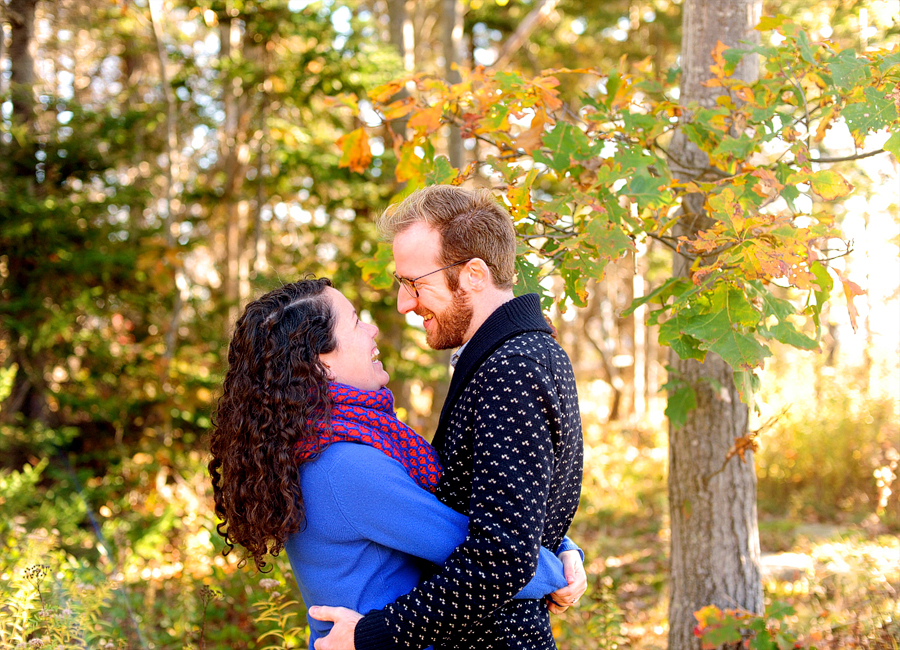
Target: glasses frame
(410,283)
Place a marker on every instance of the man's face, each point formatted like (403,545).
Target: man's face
(447,314)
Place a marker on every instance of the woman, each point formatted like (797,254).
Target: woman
(305,389)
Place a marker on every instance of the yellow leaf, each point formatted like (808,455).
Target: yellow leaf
(347,100)
(829,184)
(409,166)
(824,123)
(356,152)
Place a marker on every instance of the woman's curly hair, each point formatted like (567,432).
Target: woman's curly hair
(275,391)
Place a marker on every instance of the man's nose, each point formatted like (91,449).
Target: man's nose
(405,301)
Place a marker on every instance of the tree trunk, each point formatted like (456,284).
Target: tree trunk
(451,37)
(21,81)
(712,503)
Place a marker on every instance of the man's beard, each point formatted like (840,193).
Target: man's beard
(452,323)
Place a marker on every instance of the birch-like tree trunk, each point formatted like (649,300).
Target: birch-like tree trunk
(715,540)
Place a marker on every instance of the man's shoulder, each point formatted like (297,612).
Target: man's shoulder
(539,347)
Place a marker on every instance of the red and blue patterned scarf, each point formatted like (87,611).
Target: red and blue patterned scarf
(367,417)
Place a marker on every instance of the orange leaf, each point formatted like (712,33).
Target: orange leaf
(427,120)
(383,93)
(546,90)
(400,108)
(356,152)
(531,139)
(718,68)
(851,290)
(767,185)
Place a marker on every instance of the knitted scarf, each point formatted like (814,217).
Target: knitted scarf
(367,417)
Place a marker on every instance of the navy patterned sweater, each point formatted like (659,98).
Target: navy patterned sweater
(511,443)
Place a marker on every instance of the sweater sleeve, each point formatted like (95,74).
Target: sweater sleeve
(397,513)
(514,403)
(569,545)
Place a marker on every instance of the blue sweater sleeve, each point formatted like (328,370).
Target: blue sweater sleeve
(568,545)
(384,504)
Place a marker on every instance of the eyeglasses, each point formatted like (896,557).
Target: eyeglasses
(410,284)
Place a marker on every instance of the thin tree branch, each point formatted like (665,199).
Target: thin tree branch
(536,17)
(858,156)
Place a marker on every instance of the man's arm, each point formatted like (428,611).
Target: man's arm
(399,514)
(512,468)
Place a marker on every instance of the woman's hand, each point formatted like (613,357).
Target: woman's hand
(561,599)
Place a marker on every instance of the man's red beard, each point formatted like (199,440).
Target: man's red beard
(452,324)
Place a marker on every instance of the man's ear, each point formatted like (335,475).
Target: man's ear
(476,274)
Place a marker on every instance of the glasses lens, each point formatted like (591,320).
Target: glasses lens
(408,285)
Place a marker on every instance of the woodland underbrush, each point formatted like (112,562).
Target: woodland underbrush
(123,553)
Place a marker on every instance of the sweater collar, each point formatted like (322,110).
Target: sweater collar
(519,315)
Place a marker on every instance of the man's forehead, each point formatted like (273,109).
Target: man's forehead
(417,245)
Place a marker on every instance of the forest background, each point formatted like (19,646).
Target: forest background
(181,158)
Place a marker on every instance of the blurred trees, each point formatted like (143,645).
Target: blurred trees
(162,161)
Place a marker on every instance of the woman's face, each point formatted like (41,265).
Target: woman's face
(355,360)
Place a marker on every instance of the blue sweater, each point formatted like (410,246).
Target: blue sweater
(366,524)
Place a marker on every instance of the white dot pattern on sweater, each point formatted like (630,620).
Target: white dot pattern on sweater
(513,464)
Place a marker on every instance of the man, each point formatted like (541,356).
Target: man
(509,435)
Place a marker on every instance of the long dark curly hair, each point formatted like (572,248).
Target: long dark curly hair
(275,391)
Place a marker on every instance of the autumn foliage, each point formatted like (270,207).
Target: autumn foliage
(589,180)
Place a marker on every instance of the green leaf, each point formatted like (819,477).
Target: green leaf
(647,191)
(737,148)
(612,86)
(847,70)
(659,295)
(873,114)
(747,384)
(528,276)
(576,270)
(375,268)
(681,401)
(685,346)
(727,632)
(441,173)
(805,50)
(789,335)
(893,144)
(720,329)
(608,239)
(823,278)
(889,62)
(509,81)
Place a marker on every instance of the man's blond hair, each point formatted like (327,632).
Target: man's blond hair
(471,223)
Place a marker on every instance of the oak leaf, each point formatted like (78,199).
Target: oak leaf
(356,153)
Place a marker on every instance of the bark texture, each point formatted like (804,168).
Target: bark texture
(715,540)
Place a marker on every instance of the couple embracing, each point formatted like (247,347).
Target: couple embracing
(396,543)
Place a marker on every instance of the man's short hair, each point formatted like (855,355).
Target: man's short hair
(471,223)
